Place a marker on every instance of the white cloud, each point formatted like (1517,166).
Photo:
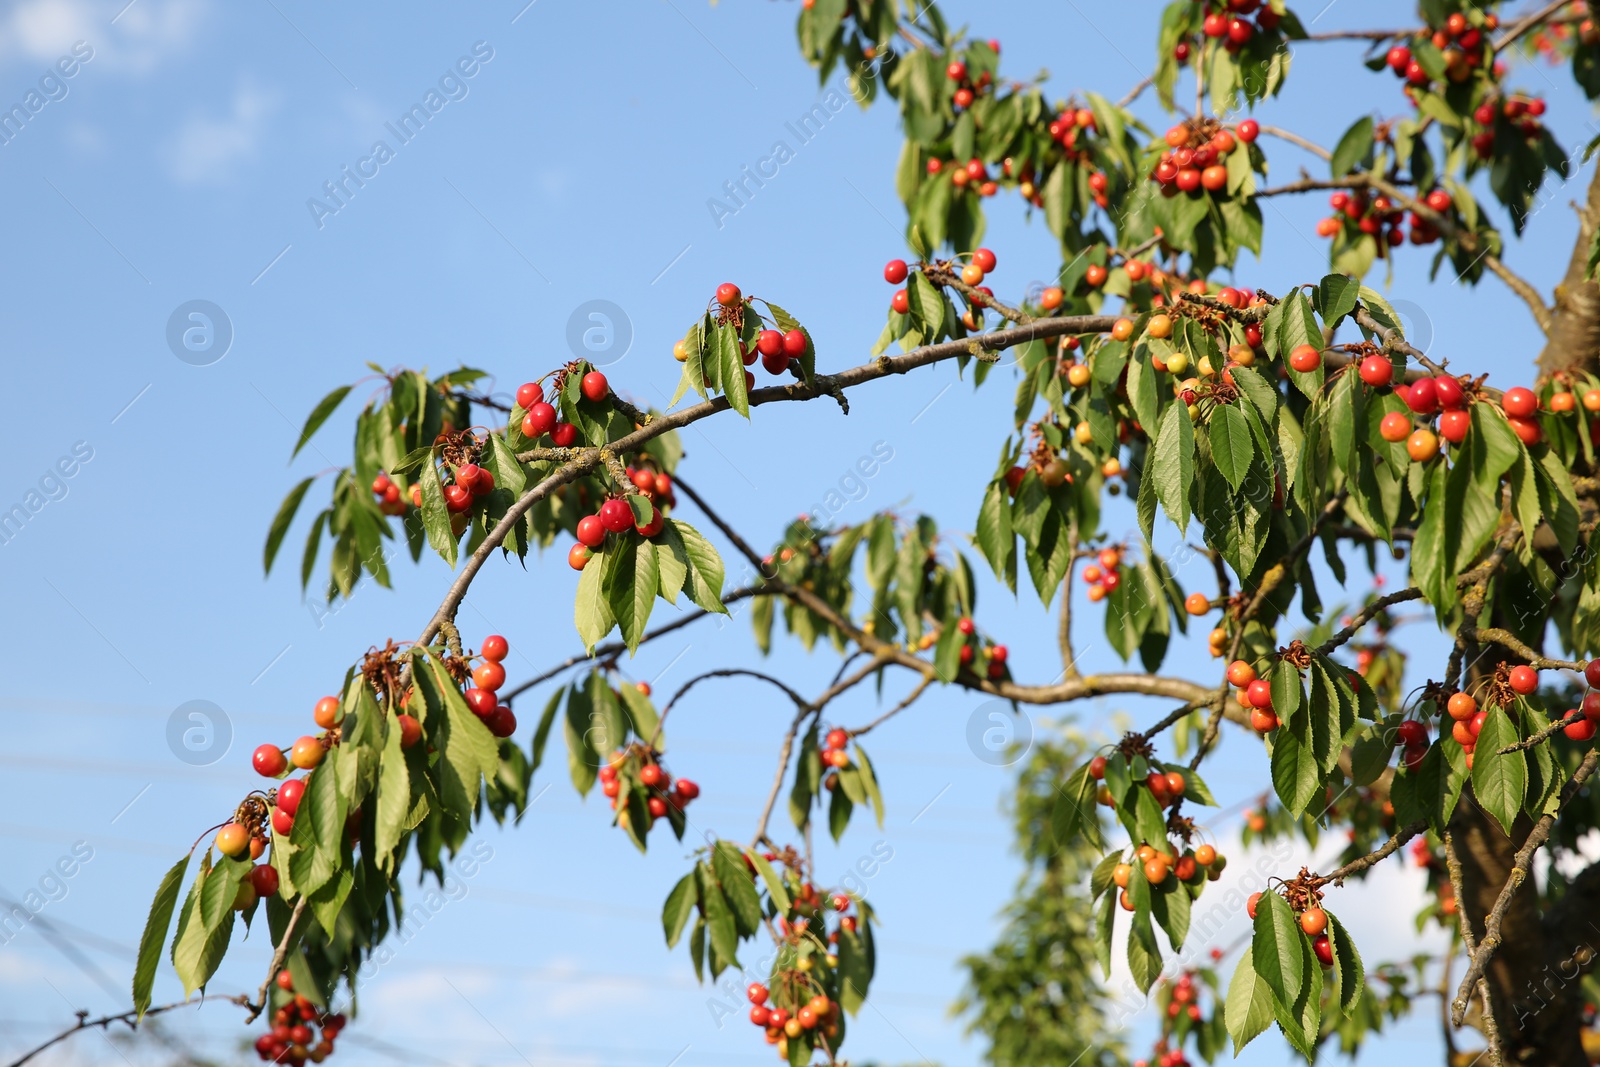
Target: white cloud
(207,150)
(145,35)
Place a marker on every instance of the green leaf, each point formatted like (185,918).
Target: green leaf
(726,342)
(1347,965)
(996,540)
(1249,1005)
(155,933)
(679,907)
(869,783)
(220,889)
(1500,781)
(629,582)
(319,415)
(727,862)
(583,758)
(672,562)
(719,921)
(1354,148)
(704,581)
(318,825)
(468,751)
(775,887)
(1337,295)
(1232,449)
(1074,809)
(281,521)
(591,612)
(927,305)
(1172,464)
(1294,771)
(1277,949)
(393,798)
(435,515)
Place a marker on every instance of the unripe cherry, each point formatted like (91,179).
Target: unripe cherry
(326,713)
(307,753)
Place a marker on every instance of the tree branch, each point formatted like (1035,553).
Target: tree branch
(278,955)
(1376,856)
(1491,1028)
(1366,615)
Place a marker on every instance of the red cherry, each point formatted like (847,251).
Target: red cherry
(264,879)
(616,516)
(590,531)
(1581,729)
(1591,673)
(1412,733)
(775,364)
(1188,179)
(1524,679)
(490,676)
(1398,59)
(457,499)
(282,822)
(289,794)
(998,653)
(578,556)
(1377,371)
(728,294)
(1250,905)
(1449,392)
(481,701)
(651,774)
(769,342)
(686,789)
(529,394)
(656,806)
(895,271)
(1527,429)
(502,722)
(306,753)
(966,626)
(1323,948)
(1519,403)
(1453,426)
(594,386)
(1423,396)
(494,648)
(653,525)
(539,420)
(410,730)
(1305,358)
(1248,130)
(269,760)
(1260,694)
(837,738)
(794,344)
(564,435)
(900,302)
(1097,768)
(985,260)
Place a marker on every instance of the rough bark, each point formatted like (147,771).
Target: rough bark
(1574,340)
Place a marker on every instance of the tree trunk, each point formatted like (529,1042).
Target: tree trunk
(1574,340)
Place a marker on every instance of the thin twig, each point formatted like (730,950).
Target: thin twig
(1520,869)
(910,699)
(278,955)
(130,1018)
(1377,855)
(1366,615)
(1491,1028)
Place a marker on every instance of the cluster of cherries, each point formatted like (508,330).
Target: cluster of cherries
(1446,396)
(1191,867)
(487,678)
(1583,729)
(539,415)
(1382,219)
(973,649)
(1313,923)
(1462,44)
(1254,694)
(1230,23)
(833,749)
(980,262)
(1521,112)
(1548,39)
(387,490)
(663,790)
(775,350)
(818,1013)
(293,1038)
(246,835)
(1183,1012)
(967,88)
(614,517)
(1105,574)
(1195,152)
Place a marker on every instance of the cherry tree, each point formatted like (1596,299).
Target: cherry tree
(1278,425)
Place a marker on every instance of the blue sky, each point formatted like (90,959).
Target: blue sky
(574,163)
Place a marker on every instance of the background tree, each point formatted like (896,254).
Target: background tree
(1277,422)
